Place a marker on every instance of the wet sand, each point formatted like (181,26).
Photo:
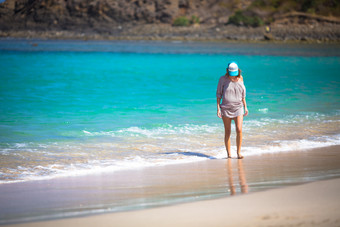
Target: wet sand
(233,192)
(312,204)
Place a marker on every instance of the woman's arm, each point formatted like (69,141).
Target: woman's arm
(244,100)
(245,106)
(219,108)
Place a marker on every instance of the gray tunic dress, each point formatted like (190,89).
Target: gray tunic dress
(231,94)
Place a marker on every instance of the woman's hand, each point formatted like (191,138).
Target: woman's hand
(219,113)
(245,107)
(245,112)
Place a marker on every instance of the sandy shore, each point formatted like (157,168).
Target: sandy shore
(312,204)
(280,33)
(257,191)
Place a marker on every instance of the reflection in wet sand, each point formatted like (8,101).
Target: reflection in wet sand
(241,177)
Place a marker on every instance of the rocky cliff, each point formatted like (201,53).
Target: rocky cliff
(154,19)
(101,15)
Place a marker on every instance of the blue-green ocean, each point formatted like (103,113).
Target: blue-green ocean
(78,107)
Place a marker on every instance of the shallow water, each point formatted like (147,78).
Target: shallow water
(73,108)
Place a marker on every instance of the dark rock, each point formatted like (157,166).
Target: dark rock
(70,14)
(152,19)
(268,36)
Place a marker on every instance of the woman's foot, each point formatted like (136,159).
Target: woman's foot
(240,156)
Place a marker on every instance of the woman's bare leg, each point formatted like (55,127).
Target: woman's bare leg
(238,123)
(227,132)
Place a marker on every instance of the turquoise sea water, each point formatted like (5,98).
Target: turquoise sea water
(78,107)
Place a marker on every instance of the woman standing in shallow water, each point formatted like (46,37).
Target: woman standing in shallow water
(233,94)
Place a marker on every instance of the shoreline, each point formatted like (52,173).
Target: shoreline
(95,37)
(310,204)
(279,33)
(163,187)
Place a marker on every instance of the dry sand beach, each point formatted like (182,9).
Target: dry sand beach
(300,188)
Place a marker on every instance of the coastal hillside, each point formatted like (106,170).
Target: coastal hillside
(172,19)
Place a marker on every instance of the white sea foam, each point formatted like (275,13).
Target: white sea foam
(162,158)
(298,120)
(139,147)
(20,145)
(293,145)
(185,129)
(94,167)
(263,110)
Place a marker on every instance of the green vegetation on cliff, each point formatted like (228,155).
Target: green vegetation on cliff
(264,11)
(240,19)
(319,7)
(184,21)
